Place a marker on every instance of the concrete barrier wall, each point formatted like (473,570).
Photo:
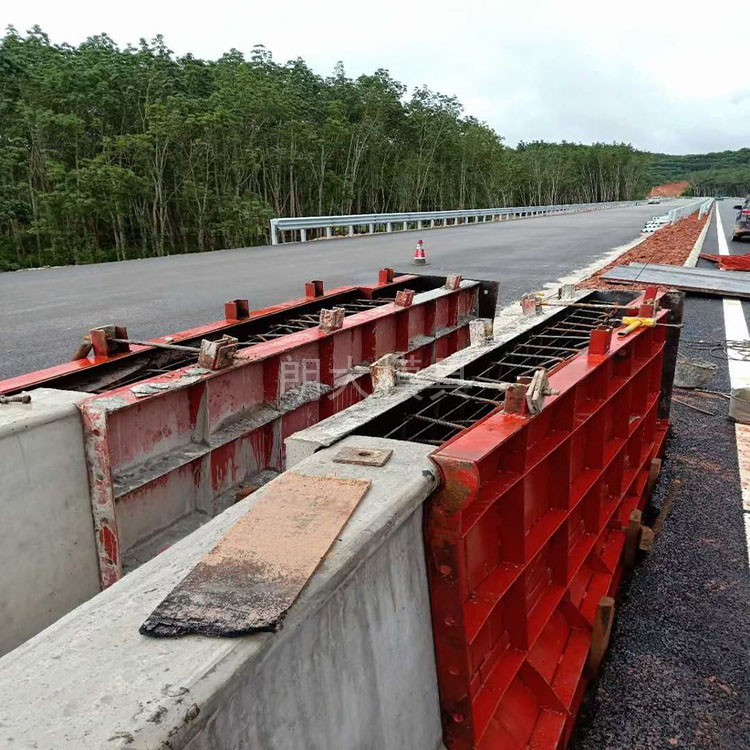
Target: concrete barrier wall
(47,556)
(352,667)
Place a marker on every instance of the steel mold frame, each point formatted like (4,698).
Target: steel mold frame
(190,444)
(100,372)
(525,539)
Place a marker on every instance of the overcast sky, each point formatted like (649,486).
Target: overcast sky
(662,75)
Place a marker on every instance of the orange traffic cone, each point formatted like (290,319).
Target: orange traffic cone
(420,258)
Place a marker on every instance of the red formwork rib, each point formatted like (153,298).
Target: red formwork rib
(525,538)
(185,441)
(236,313)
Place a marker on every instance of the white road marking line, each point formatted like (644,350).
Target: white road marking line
(735,326)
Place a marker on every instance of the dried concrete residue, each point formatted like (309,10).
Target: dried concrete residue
(133,477)
(150,388)
(247,422)
(104,404)
(302,394)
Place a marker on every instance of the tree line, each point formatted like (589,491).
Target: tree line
(111,153)
(733,181)
(714,173)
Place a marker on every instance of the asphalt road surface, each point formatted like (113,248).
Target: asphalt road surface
(45,312)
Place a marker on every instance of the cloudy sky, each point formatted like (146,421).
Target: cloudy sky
(662,75)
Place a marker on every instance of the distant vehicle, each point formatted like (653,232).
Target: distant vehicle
(742,222)
(653,199)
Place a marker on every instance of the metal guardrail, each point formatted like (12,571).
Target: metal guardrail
(702,206)
(302,224)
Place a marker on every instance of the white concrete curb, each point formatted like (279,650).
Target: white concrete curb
(692,259)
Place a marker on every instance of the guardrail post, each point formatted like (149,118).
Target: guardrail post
(432,223)
(303,235)
(329,233)
(388,226)
(372,228)
(351,230)
(404,227)
(274,232)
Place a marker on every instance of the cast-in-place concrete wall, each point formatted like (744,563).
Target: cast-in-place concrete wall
(47,552)
(352,667)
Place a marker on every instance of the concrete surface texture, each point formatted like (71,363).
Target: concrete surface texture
(54,307)
(352,667)
(47,554)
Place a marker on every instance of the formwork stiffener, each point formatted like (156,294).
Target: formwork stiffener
(528,535)
(97,367)
(186,441)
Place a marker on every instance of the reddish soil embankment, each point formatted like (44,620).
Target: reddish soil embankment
(669,245)
(670,189)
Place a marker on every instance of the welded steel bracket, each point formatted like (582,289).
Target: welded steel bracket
(404,297)
(384,374)
(480,332)
(216,355)
(103,343)
(236,309)
(537,390)
(331,320)
(531,304)
(452,282)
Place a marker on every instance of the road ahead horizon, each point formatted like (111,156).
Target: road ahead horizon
(46,311)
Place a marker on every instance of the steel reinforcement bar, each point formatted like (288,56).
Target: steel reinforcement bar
(528,536)
(191,440)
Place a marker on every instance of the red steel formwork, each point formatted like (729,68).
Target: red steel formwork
(525,542)
(104,369)
(186,441)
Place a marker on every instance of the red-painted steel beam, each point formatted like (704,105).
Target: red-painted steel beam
(236,313)
(525,537)
(184,441)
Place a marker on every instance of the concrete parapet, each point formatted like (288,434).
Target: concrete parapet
(353,665)
(47,555)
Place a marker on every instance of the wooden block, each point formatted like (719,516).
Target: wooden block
(600,633)
(632,537)
(653,475)
(647,539)
(250,579)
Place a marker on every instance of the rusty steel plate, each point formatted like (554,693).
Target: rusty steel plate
(363,456)
(250,579)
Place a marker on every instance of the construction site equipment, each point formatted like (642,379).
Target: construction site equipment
(120,359)
(183,443)
(699,280)
(534,522)
(419,254)
(729,262)
(24,398)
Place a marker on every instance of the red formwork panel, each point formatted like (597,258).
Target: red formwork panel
(525,537)
(185,441)
(66,374)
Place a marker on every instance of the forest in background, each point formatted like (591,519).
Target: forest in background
(715,173)
(111,154)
